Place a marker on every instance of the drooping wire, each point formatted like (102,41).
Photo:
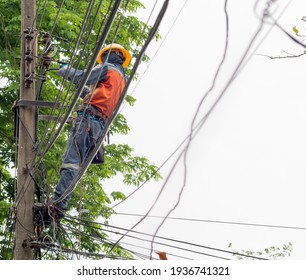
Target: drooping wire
(38,148)
(86,75)
(88,160)
(159,47)
(215,221)
(198,124)
(95,224)
(185,151)
(89,10)
(194,132)
(74,53)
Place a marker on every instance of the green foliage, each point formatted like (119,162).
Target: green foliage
(271,253)
(89,194)
(130,100)
(296,31)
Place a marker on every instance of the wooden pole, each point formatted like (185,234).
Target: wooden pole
(26,117)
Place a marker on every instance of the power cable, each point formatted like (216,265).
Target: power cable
(86,74)
(90,8)
(193,133)
(185,151)
(198,124)
(151,60)
(92,224)
(77,44)
(264,37)
(193,129)
(159,47)
(101,239)
(88,160)
(97,236)
(215,221)
(38,148)
(158,243)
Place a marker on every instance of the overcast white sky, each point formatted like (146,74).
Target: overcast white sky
(248,162)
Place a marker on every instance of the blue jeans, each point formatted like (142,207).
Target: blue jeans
(76,152)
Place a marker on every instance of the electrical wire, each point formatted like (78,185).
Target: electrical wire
(193,133)
(95,224)
(193,130)
(77,44)
(89,10)
(88,160)
(159,47)
(99,238)
(86,74)
(198,124)
(38,148)
(215,221)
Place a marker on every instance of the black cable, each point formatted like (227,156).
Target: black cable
(198,124)
(99,238)
(159,243)
(87,223)
(112,242)
(38,147)
(74,52)
(288,34)
(179,146)
(99,143)
(158,49)
(89,10)
(86,75)
(214,221)
(185,151)
(195,130)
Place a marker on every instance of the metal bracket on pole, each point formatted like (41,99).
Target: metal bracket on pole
(37,103)
(24,103)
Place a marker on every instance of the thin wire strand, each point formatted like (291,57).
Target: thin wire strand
(94,224)
(215,221)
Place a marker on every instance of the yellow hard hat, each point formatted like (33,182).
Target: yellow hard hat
(116,47)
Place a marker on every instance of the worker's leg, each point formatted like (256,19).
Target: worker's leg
(72,158)
(76,152)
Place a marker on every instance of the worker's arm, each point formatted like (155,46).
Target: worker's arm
(98,74)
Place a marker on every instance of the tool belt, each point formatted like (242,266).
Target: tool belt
(91,110)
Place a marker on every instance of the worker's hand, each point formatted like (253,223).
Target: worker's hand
(87,98)
(84,92)
(63,69)
(63,65)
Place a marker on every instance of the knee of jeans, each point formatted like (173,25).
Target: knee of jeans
(69,166)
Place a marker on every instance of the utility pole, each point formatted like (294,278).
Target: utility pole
(26,118)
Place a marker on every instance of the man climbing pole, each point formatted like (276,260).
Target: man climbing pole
(106,83)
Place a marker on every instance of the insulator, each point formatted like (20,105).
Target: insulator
(46,60)
(28,55)
(29,34)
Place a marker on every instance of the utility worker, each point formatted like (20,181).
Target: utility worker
(106,80)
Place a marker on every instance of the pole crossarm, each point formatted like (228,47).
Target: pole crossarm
(38,103)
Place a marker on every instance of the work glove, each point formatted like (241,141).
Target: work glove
(63,65)
(84,92)
(62,70)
